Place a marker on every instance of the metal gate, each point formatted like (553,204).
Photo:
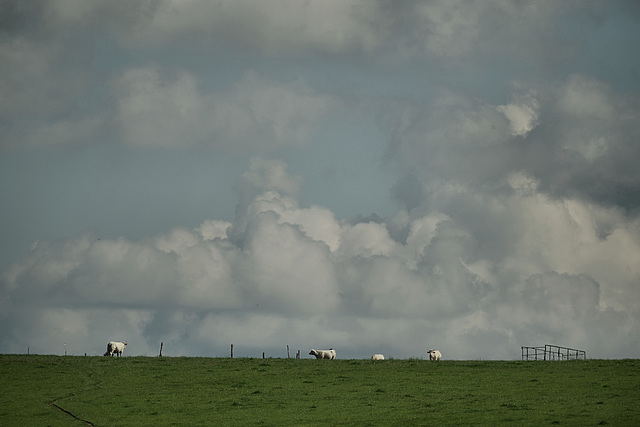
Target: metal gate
(552,352)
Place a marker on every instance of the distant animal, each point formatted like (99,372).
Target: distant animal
(323,354)
(116,347)
(377,357)
(434,355)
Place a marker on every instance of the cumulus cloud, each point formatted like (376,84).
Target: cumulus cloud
(522,114)
(299,276)
(452,140)
(517,219)
(575,138)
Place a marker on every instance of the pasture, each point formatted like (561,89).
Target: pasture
(75,390)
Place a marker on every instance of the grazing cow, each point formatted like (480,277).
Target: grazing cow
(116,347)
(323,354)
(377,357)
(434,355)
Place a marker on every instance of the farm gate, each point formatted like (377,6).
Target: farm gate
(552,352)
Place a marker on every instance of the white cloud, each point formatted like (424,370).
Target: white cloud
(153,112)
(457,28)
(544,273)
(276,27)
(523,185)
(257,113)
(49,82)
(523,114)
(292,272)
(452,142)
(590,113)
(265,175)
(452,27)
(366,240)
(212,229)
(574,138)
(38,101)
(73,12)
(421,232)
(586,98)
(335,27)
(254,115)
(519,223)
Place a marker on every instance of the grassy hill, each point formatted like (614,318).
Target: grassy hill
(69,390)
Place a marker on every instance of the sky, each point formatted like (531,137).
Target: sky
(372,176)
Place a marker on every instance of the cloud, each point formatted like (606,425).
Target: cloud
(575,138)
(590,142)
(278,27)
(516,162)
(254,115)
(438,28)
(57,96)
(458,29)
(39,102)
(153,112)
(444,29)
(591,103)
(516,269)
(522,115)
(453,139)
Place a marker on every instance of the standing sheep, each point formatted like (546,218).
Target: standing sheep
(323,354)
(434,355)
(116,347)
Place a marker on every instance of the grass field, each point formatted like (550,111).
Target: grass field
(137,391)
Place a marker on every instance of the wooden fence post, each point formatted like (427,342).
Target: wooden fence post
(232,351)
(161,344)
(288,355)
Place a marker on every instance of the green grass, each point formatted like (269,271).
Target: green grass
(137,391)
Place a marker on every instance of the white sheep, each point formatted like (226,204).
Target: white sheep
(116,347)
(377,357)
(434,355)
(323,354)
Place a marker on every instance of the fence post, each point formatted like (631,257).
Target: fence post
(161,344)
(232,351)
(288,355)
